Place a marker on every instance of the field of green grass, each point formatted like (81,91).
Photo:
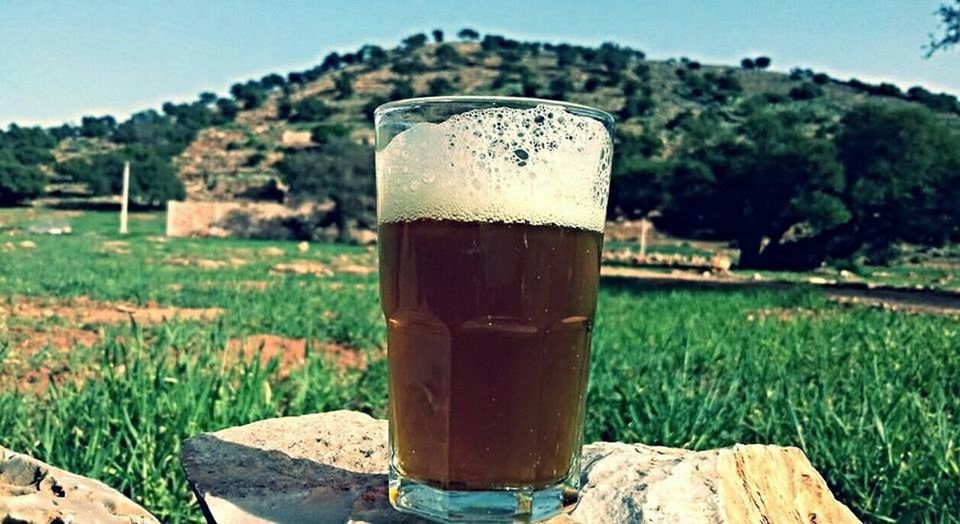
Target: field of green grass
(872,397)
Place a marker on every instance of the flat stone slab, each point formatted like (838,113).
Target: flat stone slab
(332,467)
(34,492)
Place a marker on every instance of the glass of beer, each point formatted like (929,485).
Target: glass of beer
(491,213)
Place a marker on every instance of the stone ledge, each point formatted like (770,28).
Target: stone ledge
(34,492)
(332,467)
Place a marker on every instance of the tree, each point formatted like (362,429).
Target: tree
(446,55)
(343,83)
(759,183)
(340,171)
(806,91)
(560,86)
(207,98)
(402,89)
(950,26)
(762,62)
(415,41)
(373,55)
(636,106)
(249,94)
(409,66)
(227,110)
(371,106)
(747,63)
(591,84)
(637,183)
(468,34)
(273,81)
(440,86)
(97,127)
(903,174)
(566,55)
(437,36)
(330,62)
(153,180)
(311,110)
(17,181)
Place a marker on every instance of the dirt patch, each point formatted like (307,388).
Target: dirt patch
(116,247)
(204,263)
(39,357)
(781,314)
(292,352)
(83,311)
(302,267)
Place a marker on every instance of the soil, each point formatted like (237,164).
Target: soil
(83,311)
(293,352)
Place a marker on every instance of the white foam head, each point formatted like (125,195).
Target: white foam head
(540,166)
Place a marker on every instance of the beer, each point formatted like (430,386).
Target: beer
(489,340)
(491,214)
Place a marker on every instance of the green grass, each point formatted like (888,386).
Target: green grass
(871,396)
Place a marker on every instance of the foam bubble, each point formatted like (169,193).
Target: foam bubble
(540,166)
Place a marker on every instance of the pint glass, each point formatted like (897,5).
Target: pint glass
(491,214)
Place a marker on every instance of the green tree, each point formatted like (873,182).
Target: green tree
(340,171)
(747,63)
(249,94)
(756,185)
(440,86)
(311,109)
(437,36)
(97,127)
(806,91)
(560,86)
(903,177)
(402,89)
(638,181)
(343,83)
(153,180)
(415,41)
(447,55)
(468,34)
(17,181)
(949,14)
(762,62)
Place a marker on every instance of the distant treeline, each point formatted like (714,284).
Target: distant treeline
(787,175)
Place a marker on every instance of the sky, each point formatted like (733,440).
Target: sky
(62,59)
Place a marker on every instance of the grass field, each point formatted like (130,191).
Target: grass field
(871,396)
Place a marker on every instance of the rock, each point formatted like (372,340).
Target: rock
(355,269)
(721,263)
(332,467)
(28,244)
(303,247)
(363,237)
(820,281)
(34,492)
(271,252)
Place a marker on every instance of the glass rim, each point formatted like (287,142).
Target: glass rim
(598,114)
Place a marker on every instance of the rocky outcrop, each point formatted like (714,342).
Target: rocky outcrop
(332,467)
(34,492)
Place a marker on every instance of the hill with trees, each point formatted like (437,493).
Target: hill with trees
(793,168)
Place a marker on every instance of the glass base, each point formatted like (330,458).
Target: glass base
(502,505)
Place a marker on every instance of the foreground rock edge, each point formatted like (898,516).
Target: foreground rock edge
(32,491)
(331,467)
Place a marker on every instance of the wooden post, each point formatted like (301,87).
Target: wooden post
(644,227)
(125,201)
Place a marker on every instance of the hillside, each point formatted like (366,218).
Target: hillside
(649,97)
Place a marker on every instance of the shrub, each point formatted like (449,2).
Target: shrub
(806,91)
(19,182)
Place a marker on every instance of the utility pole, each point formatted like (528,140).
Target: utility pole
(125,201)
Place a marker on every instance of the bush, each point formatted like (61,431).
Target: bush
(820,78)
(19,182)
(468,34)
(440,86)
(638,106)
(402,89)
(447,55)
(591,84)
(311,110)
(343,83)
(415,41)
(249,94)
(559,87)
(323,133)
(409,66)
(806,91)
(372,105)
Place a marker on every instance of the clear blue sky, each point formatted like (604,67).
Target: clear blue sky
(61,59)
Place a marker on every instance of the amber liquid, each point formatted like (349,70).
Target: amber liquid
(489,345)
